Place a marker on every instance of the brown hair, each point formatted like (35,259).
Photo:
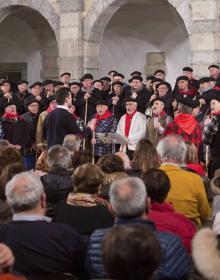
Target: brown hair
(9,155)
(81,157)
(87,178)
(42,162)
(145,156)
(191,153)
(111,163)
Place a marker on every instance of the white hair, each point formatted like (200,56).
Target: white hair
(72,142)
(59,156)
(128,197)
(23,191)
(172,148)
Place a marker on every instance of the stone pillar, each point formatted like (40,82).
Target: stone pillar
(204,39)
(70,33)
(155,61)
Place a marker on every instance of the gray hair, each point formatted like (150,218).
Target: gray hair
(72,142)
(128,197)
(172,148)
(23,191)
(59,156)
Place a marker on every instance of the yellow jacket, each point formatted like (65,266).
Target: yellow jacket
(187,193)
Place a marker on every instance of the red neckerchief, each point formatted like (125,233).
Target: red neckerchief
(49,110)
(12,116)
(216,88)
(186,122)
(128,122)
(215,114)
(162,114)
(189,92)
(103,117)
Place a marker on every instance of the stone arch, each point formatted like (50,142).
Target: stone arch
(100,13)
(40,17)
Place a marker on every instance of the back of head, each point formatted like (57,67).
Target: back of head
(72,142)
(23,192)
(59,157)
(88,178)
(9,155)
(157,184)
(131,252)
(61,94)
(128,197)
(182,108)
(172,149)
(191,153)
(111,163)
(81,157)
(145,156)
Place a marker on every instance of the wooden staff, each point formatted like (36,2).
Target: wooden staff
(93,148)
(85,122)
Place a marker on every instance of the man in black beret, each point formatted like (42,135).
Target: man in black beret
(6,95)
(139,92)
(183,87)
(111,73)
(184,123)
(57,85)
(136,73)
(48,88)
(160,74)
(106,89)
(65,78)
(36,91)
(21,94)
(188,71)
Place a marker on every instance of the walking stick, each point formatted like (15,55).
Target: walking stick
(85,122)
(93,148)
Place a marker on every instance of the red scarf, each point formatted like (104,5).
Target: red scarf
(188,92)
(162,114)
(215,114)
(12,116)
(216,88)
(128,120)
(107,115)
(49,110)
(186,122)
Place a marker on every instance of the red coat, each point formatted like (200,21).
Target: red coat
(167,220)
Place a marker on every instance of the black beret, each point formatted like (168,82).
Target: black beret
(157,99)
(182,78)
(87,76)
(48,100)
(107,79)
(136,77)
(131,100)
(99,81)
(130,80)
(136,73)
(35,84)
(119,74)
(204,80)
(215,95)
(65,73)
(118,83)
(112,71)
(4,81)
(22,82)
(47,82)
(150,78)
(7,103)
(75,82)
(213,66)
(188,69)
(57,83)
(29,100)
(164,83)
(101,102)
(185,100)
(159,71)
(156,80)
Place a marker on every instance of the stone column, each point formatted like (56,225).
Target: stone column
(70,33)
(204,39)
(155,61)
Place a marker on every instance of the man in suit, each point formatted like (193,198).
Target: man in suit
(132,126)
(39,245)
(60,122)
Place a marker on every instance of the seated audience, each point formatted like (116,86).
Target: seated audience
(9,155)
(141,253)
(81,157)
(83,208)
(72,143)
(162,213)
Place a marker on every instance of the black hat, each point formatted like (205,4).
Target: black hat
(22,82)
(112,71)
(150,77)
(87,76)
(47,82)
(57,83)
(130,100)
(185,100)
(136,73)
(119,74)
(212,79)
(182,78)
(4,81)
(48,100)
(35,84)
(215,95)
(137,77)
(130,80)
(118,83)
(29,100)
(213,66)
(159,71)
(107,79)
(204,80)
(75,82)
(101,102)
(188,69)
(164,83)
(156,80)
(99,81)
(7,103)
(65,73)
(157,99)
